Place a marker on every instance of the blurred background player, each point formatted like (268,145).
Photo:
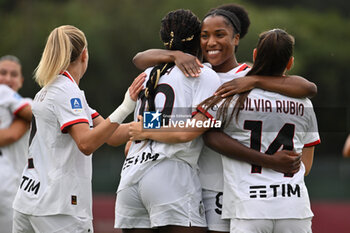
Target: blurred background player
(14,135)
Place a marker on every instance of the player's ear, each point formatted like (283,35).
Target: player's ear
(254,54)
(84,55)
(290,63)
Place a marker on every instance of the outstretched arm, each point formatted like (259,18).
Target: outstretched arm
(188,64)
(89,140)
(293,86)
(167,134)
(13,133)
(281,161)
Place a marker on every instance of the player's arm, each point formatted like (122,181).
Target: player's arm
(90,140)
(188,64)
(346,149)
(281,161)
(25,113)
(167,134)
(127,148)
(307,158)
(120,135)
(14,132)
(293,86)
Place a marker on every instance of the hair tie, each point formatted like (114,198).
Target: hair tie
(188,38)
(170,43)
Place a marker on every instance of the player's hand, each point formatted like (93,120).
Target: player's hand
(188,64)
(235,86)
(286,162)
(137,86)
(136,130)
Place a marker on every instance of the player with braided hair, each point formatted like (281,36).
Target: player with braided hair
(222,29)
(159,187)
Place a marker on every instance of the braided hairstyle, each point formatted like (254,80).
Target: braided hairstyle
(235,16)
(180,30)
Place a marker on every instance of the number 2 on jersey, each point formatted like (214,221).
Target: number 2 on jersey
(284,138)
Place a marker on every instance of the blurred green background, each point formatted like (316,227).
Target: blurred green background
(117,29)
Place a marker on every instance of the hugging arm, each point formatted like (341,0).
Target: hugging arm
(167,135)
(293,86)
(281,161)
(187,63)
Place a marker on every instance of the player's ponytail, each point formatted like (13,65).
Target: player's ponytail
(63,46)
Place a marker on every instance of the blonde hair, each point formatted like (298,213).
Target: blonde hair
(64,45)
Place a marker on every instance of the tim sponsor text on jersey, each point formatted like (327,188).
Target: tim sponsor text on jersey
(276,190)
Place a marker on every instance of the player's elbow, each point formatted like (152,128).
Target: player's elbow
(137,60)
(312,89)
(86,149)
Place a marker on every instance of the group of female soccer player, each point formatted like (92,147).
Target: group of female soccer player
(171,181)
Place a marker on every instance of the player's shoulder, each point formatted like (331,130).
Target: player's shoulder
(256,92)
(5,89)
(63,84)
(7,93)
(208,73)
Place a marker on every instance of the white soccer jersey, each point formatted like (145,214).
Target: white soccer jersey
(10,158)
(269,122)
(210,162)
(177,97)
(57,179)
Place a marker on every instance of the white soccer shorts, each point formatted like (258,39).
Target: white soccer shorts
(213,207)
(168,194)
(23,223)
(271,225)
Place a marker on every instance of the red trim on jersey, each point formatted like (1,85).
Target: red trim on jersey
(77,121)
(243,67)
(206,113)
(94,115)
(313,143)
(20,108)
(194,113)
(65,73)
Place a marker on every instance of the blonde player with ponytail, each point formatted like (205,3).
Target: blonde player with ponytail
(55,191)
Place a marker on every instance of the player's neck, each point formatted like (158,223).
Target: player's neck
(75,72)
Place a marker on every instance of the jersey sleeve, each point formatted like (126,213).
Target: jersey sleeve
(93,113)
(12,100)
(312,137)
(71,108)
